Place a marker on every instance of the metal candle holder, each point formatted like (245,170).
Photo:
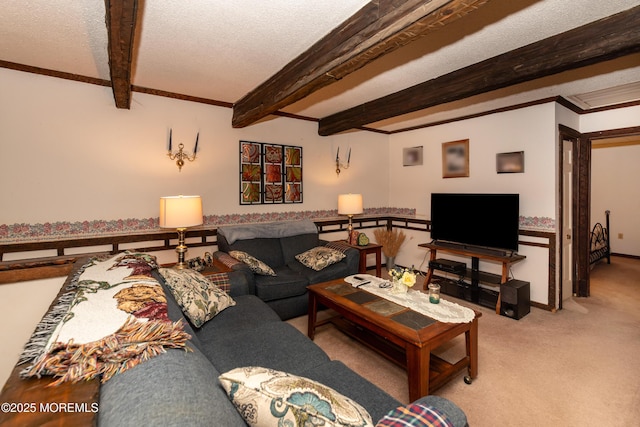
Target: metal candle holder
(181,156)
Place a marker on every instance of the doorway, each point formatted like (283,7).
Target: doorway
(575,207)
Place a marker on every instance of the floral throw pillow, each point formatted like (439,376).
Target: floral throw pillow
(199,299)
(266,397)
(254,264)
(320,257)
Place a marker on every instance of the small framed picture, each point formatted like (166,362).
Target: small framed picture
(510,162)
(412,156)
(455,159)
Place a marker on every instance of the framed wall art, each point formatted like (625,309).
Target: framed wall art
(270,173)
(455,159)
(412,156)
(510,162)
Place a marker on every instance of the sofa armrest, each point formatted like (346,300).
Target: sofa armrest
(353,260)
(241,283)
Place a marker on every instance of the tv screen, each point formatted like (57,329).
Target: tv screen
(484,220)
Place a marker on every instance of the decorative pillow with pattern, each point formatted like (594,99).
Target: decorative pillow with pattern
(254,264)
(415,414)
(266,397)
(320,257)
(199,299)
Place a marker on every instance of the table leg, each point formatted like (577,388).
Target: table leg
(418,360)
(362,268)
(313,311)
(471,340)
(379,262)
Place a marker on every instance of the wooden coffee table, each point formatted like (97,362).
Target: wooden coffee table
(402,335)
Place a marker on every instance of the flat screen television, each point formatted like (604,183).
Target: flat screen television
(481,220)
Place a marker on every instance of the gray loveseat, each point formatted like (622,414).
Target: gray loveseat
(182,388)
(276,244)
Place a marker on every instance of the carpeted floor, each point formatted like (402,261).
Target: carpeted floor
(576,367)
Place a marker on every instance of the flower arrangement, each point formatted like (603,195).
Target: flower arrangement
(403,276)
(391,240)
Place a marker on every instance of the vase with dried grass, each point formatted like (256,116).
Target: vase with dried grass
(391,240)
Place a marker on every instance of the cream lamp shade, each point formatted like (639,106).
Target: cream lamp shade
(180,211)
(349,204)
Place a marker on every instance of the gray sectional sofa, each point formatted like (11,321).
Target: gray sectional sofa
(182,388)
(185,388)
(277,244)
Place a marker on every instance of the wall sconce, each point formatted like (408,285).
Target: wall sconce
(180,156)
(180,212)
(341,165)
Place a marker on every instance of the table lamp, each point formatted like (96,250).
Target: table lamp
(350,205)
(180,212)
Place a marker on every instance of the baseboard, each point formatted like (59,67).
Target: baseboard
(625,255)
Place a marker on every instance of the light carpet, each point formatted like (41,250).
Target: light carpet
(576,367)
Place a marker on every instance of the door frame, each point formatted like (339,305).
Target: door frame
(581,203)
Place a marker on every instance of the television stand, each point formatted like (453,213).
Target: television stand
(474,273)
(470,248)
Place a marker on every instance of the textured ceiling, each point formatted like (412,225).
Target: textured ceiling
(221,50)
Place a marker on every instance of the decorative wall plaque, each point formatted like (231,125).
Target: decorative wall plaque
(270,173)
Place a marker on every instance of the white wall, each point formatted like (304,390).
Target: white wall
(610,119)
(614,177)
(22,305)
(70,155)
(531,130)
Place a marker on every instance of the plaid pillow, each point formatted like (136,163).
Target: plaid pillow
(221,280)
(415,415)
(338,246)
(228,260)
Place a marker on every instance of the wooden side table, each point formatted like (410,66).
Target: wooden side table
(216,267)
(371,248)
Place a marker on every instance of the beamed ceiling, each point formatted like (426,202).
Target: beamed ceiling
(384,66)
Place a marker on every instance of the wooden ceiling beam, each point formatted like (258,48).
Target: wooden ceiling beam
(121,27)
(378,28)
(602,40)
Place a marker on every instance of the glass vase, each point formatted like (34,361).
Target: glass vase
(399,287)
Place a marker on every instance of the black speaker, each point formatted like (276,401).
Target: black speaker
(515,299)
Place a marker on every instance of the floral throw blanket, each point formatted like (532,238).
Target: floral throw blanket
(113,317)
